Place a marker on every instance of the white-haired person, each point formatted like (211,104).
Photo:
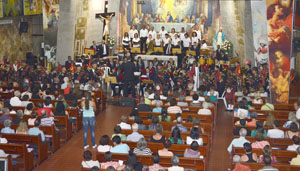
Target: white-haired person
(15,101)
(205,110)
(134,136)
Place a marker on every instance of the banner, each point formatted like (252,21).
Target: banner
(280,23)
(260,35)
(32,7)
(1,9)
(50,25)
(12,8)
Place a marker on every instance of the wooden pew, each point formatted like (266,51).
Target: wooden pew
(282,156)
(48,131)
(32,140)
(281,143)
(20,149)
(9,163)
(5,96)
(286,107)
(279,166)
(291,99)
(148,133)
(146,160)
(282,121)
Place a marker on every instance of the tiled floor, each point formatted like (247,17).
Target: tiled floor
(69,156)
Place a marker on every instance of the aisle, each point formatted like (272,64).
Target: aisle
(219,157)
(69,156)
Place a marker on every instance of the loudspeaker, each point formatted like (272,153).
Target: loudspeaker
(127,102)
(23,27)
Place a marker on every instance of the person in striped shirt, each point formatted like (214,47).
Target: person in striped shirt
(141,148)
(173,108)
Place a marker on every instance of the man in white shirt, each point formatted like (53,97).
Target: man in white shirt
(205,110)
(143,36)
(275,133)
(296,142)
(123,123)
(238,142)
(166,39)
(163,32)
(134,136)
(152,32)
(15,101)
(26,92)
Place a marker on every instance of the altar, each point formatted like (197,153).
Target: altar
(147,58)
(169,26)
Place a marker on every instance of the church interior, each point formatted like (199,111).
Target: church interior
(208,85)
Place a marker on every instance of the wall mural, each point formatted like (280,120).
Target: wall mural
(280,22)
(170,14)
(50,23)
(32,7)
(12,44)
(1,9)
(12,8)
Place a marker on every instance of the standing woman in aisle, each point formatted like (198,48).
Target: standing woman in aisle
(88,107)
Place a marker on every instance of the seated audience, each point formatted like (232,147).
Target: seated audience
(157,108)
(22,128)
(165,151)
(88,162)
(182,101)
(19,117)
(108,161)
(296,160)
(7,129)
(297,108)
(242,112)
(40,108)
(142,107)
(268,161)
(173,108)
(175,163)
(295,145)
(29,108)
(119,147)
(5,116)
(60,109)
(196,124)
(267,152)
(269,120)
(157,137)
(156,166)
(176,137)
(268,106)
(26,91)
(195,102)
(194,136)
(117,132)
(179,124)
(124,124)
(141,148)
(139,121)
(45,120)
(205,110)
(236,131)
(260,142)
(133,162)
(292,118)
(134,136)
(259,128)
(36,130)
(164,117)
(25,100)
(275,132)
(238,166)
(48,102)
(238,142)
(157,100)
(249,156)
(155,121)
(293,131)
(253,117)
(33,117)
(15,101)
(192,152)
(104,144)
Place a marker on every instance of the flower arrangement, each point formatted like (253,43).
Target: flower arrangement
(227,47)
(111,41)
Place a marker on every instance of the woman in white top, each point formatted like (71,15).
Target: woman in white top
(176,41)
(182,33)
(186,42)
(104,144)
(136,42)
(172,34)
(88,162)
(194,136)
(158,41)
(126,41)
(194,38)
(132,32)
(152,32)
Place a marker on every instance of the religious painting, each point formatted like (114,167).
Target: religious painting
(280,26)
(170,14)
(32,7)
(12,8)
(1,9)
(260,35)
(82,13)
(12,44)
(50,25)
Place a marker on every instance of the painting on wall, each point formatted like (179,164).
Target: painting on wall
(12,8)
(50,25)
(170,14)
(32,7)
(280,26)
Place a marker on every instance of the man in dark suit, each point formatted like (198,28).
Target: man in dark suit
(128,69)
(168,48)
(103,49)
(218,52)
(119,77)
(68,63)
(30,58)
(96,48)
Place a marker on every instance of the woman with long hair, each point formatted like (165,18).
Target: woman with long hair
(88,106)
(176,137)
(22,128)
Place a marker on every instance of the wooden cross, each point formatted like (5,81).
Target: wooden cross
(106,15)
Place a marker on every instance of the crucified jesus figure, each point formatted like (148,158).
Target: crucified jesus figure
(106,23)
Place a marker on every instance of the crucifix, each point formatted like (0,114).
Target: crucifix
(106,16)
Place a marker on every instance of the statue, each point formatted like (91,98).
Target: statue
(106,23)
(219,39)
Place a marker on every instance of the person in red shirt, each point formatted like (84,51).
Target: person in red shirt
(40,108)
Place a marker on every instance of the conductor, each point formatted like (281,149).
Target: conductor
(128,69)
